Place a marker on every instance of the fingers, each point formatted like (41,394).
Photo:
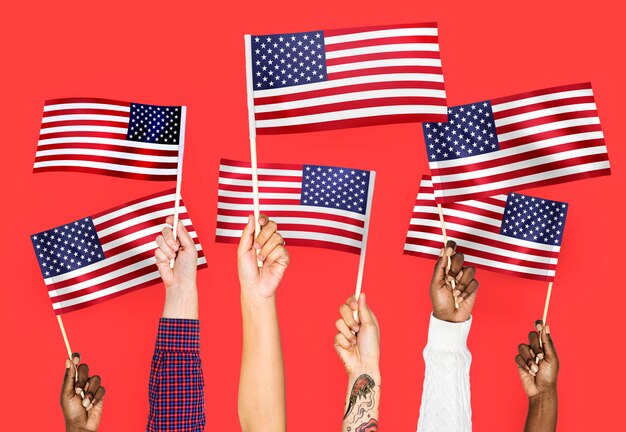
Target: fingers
(275,240)
(463,283)
(247,237)
(529,358)
(162,262)
(91,388)
(183,236)
(346,312)
(83,375)
(548,345)
(168,235)
(279,254)
(67,390)
(98,397)
(441,266)
(457,264)
(267,231)
(165,247)
(345,331)
(366,315)
(533,341)
(343,342)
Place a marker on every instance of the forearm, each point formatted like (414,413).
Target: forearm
(262,379)
(446,390)
(176,389)
(362,402)
(542,412)
(181,302)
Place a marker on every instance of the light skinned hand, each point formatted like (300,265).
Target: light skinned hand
(358,342)
(538,366)
(183,250)
(261,281)
(441,293)
(81,414)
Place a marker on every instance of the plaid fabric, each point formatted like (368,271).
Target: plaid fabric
(176,389)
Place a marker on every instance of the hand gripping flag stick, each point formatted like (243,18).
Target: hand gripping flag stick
(445,242)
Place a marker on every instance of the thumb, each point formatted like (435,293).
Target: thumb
(548,345)
(247,237)
(183,236)
(366,317)
(67,391)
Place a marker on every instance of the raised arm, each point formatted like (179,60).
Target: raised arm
(176,388)
(446,393)
(262,379)
(538,368)
(358,345)
(82,397)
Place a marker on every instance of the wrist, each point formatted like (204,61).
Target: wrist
(543,398)
(181,301)
(372,372)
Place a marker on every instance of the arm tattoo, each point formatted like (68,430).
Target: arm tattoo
(361,402)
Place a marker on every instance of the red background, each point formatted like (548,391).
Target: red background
(193,54)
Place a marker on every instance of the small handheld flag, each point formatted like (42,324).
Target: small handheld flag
(528,140)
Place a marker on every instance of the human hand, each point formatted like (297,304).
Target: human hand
(538,367)
(181,295)
(442,295)
(358,343)
(261,281)
(81,414)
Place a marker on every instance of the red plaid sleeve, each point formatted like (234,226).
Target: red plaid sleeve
(176,389)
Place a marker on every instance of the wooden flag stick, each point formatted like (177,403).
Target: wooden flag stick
(252,132)
(67,346)
(366,226)
(545,308)
(445,242)
(179,171)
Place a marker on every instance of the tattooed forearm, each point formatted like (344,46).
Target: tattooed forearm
(362,406)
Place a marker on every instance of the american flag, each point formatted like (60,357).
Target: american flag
(102,136)
(102,256)
(329,79)
(313,205)
(527,140)
(515,234)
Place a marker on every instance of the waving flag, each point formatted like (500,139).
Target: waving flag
(329,79)
(527,140)
(102,136)
(515,234)
(99,257)
(313,205)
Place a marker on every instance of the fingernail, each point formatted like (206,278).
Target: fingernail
(532,353)
(86,402)
(257,245)
(456,293)
(459,300)
(355,329)
(547,329)
(261,257)
(67,363)
(354,305)
(78,390)
(538,326)
(532,373)
(534,368)
(540,356)
(89,407)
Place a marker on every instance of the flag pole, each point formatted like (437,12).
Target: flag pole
(366,226)
(545,308)
(67,347)
(445,242)
(252,131)
(179,171)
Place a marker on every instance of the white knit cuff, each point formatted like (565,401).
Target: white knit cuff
(448,336)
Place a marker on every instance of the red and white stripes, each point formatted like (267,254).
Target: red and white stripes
(546,137)
(89,135)
(475,226)
(127,235)
(280,186)
(376,75)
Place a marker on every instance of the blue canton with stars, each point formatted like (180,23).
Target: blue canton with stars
(534,219)
(335,187)
(67,247)
(154,124)
(470,131)
(290,59)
